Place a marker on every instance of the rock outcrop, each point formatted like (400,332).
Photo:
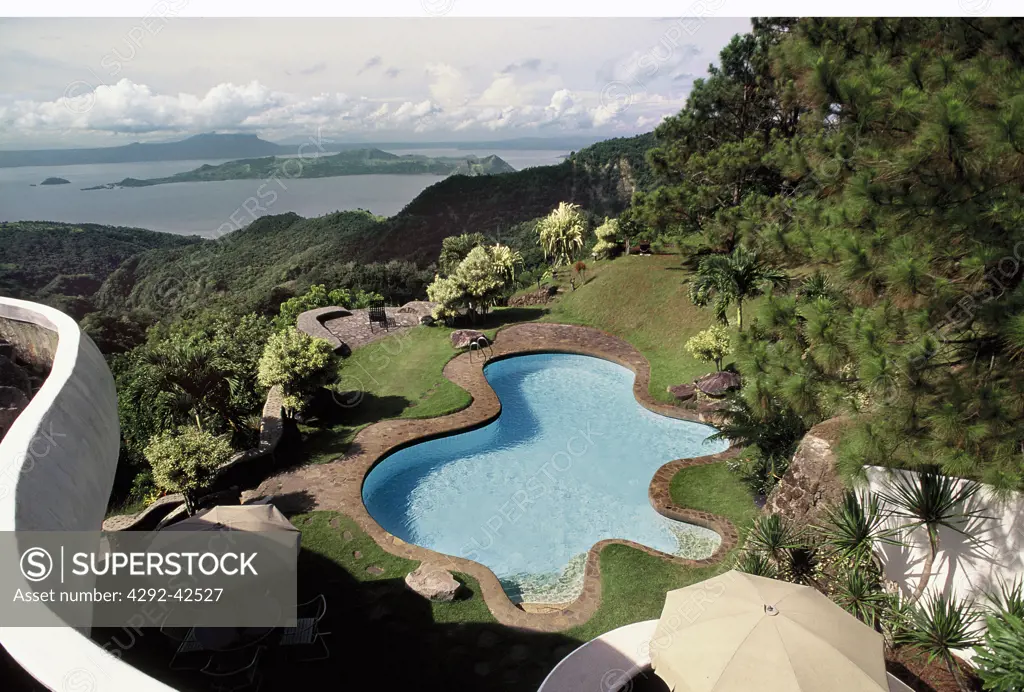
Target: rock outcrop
(433,583)
(812,481)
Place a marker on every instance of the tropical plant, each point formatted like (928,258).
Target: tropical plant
(1008,601)
(710,346)
(941,625)
(186,461)
(561,233)
(859,591)
(758,564)
(1000,657)
(455,248)
(297,362)
(930,501)
(319,297)
(774,536)
(730,279)
(481,279)
(607,239)
(194,376)
(852,528)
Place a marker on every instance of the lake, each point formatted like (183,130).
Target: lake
(211,208)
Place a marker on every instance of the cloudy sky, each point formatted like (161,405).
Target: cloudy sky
(98,82)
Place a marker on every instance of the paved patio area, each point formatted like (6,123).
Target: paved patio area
(348,330)
(338,484)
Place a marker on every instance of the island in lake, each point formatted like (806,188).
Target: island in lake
(55,181)
(353,162)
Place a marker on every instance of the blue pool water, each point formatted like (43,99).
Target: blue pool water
(566,464)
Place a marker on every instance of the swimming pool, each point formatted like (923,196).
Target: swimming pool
(566,464)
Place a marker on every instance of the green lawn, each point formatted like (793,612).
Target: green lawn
(642,299)
(633,583)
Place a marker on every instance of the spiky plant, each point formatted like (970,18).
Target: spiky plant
(758,564)
(941,625)
(773,536)
(852,528)
(561,233)
(1009,599)
(859,591)
(930,501)
(801,566)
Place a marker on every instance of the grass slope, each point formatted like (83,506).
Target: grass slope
(642,299)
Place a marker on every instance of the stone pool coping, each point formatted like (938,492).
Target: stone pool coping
(338,485)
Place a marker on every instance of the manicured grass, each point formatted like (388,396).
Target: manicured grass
(642,299)
(714,488)
(633,583)
(323,533)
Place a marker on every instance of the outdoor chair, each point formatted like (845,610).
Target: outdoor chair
(378,315)
(191,654)
(235,670)
(306,639)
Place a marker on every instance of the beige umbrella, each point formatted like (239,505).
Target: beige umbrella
(737,632)
(236,518)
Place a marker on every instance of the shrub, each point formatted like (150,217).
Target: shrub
(480,280)
(299,363)
(1000,658)
(186,461)
(710,346)
(607,239)
(561,233)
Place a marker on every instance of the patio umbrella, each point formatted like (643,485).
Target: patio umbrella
(737,632)
(236,518)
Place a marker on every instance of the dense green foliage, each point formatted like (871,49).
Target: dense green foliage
(319,297)
(298,363)
(886,153)
(561,233)
(710,346)
(481,279)
(64,264)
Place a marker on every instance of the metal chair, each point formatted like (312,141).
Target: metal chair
(235,670)
(378,315)
(306,634)
(190,654)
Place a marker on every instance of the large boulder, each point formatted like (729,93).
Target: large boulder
(718,383)
(812,482)
(683,392)
(461,338)
(433,583)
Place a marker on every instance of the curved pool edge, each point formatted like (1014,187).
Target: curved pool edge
(376,442)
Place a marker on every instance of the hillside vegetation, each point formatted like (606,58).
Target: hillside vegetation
(65,264)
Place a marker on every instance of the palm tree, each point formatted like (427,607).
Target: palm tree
(728,279)
(943,625)
(930,501)
(561,233)
(192,375)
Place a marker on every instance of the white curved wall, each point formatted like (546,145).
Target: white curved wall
(57,466)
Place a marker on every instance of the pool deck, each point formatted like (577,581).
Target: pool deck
(338,485)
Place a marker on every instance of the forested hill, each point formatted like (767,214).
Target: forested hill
(601,178)
(64,264)
(257,267)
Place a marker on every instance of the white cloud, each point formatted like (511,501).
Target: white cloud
(504,105)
